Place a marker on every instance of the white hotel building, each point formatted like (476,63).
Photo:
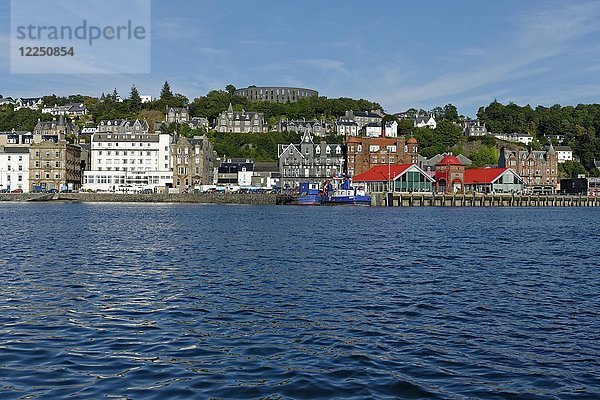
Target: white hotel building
(126,157)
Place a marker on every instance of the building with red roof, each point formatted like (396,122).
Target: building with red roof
(449,175)
(402,178)
(493,180)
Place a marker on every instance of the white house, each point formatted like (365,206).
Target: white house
(129,160)
(14,168)
(515,137)
(428,121)
(346,127)
(146,98)
(34,103)
(564,153)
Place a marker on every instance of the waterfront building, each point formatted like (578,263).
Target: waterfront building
(420,121)
(177,115)
(265,175)
(14,168)
(193,160)
(308,161)
(428,164)
(54,164)
(493,180)
(404,178)
(539,169)
(125,156)
(241,121)
(363,153)
(564,153)
(449,175)
(275,94)
(235,172)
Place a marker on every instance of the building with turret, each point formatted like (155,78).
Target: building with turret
(241,121)
(539,169)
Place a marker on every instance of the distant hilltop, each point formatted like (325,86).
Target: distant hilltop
(275,94)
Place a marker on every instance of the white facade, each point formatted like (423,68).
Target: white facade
(425,121)
(146,98)
(129,162)
(515,137)
(564,153)
(14,169)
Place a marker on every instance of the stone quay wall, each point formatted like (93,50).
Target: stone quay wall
(211,198)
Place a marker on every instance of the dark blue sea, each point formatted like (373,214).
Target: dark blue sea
(147,301)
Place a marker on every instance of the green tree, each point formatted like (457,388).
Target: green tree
(571,169)
(230,89)
(135,101)
(486,155)
(165,93)
(450,112)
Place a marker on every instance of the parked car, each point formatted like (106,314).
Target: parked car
(17,191)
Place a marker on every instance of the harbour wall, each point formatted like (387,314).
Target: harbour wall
(214,198)
(377,199)
(481,200)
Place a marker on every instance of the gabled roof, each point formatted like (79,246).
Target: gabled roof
(383,173)
(486,175)
(563,148)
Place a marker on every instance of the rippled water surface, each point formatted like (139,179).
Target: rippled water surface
(201,301)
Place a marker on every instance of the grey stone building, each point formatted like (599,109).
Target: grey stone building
(193,160)
(275,94)
(241,121)
(123,126)
(309,162)
(177,115)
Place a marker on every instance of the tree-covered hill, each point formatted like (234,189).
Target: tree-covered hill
(580,125)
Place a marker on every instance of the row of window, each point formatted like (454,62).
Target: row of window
(57,154)
(47,175)
(125,152)
(19,178)
(124,161)
(116,144)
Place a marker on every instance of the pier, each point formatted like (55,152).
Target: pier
(481,200)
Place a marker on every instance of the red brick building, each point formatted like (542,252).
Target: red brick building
(364,153)
(449,175)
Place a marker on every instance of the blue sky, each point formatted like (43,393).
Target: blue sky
(401,54)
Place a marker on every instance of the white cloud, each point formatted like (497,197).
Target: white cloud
(531,40)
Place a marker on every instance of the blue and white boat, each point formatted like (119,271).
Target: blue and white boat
(346,195)
(309,194)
